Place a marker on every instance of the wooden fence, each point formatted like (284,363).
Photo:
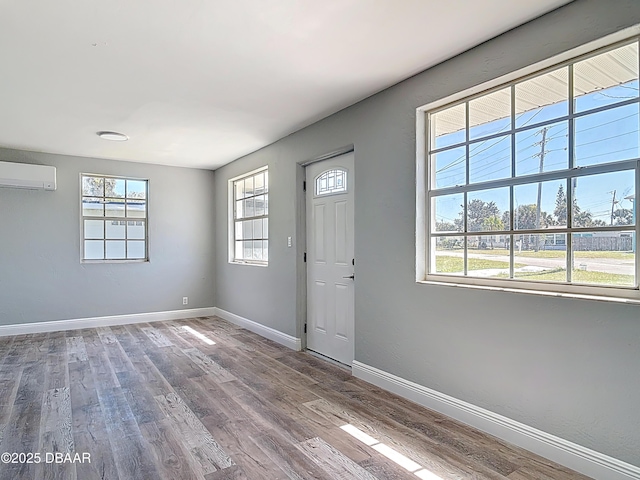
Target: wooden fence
(602,244)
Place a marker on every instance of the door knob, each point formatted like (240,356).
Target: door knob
(352,277)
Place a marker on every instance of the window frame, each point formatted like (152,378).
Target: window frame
(232,218)
(424,180)
(105,218)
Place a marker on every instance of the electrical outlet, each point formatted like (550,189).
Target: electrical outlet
(289,242)
(185,300)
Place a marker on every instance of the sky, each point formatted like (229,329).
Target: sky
(607,136)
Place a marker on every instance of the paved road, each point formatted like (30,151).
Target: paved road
(606,265)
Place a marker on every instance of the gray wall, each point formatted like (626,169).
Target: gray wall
(565,366)
(41,277)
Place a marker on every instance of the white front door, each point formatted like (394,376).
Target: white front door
(330,261)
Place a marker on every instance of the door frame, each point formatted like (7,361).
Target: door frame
(301,236)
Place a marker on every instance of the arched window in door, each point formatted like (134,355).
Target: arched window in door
(331,181)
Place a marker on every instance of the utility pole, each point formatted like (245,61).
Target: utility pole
(613,204)
(541,155)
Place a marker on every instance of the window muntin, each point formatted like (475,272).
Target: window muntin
(114,218)
(332,181)
(251,218)
(504,165)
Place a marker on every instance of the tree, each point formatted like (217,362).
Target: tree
(623,216)
(522,217)
(547,219)
(579,218)
(525,217)
(445,227)
(506,218)
(560,212)
(477,212)
(93,186)
(492,223)
(449,243)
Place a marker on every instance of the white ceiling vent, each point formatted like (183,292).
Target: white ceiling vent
(24,175)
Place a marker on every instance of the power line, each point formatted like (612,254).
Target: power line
(487,165)
(532,135)
(608,153)
(521,161)
(462,158)
(606,123)
(607,138)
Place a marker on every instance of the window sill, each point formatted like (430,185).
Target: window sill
(128,260)
(253,264)
(544,293)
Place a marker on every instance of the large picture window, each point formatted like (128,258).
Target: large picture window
(114,218)
(250,227)
(532,184)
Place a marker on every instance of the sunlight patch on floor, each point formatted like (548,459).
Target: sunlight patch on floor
(359,434)
(390,453)
(195,333)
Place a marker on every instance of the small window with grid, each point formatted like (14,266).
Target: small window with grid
(251,218)
(114,218)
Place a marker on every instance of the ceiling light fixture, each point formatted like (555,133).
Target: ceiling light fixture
(113,136)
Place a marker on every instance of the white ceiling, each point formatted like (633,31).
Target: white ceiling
(199,83)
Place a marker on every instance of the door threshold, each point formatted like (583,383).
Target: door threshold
(344,366)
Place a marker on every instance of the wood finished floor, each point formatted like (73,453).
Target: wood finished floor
(154,401)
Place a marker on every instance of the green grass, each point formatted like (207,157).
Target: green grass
(582,276)
(562,253)
(445,264)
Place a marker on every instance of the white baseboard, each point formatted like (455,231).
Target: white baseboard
(564,452)
(267,332)
(74,324)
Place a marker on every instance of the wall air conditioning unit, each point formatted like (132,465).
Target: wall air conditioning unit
(24,175)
